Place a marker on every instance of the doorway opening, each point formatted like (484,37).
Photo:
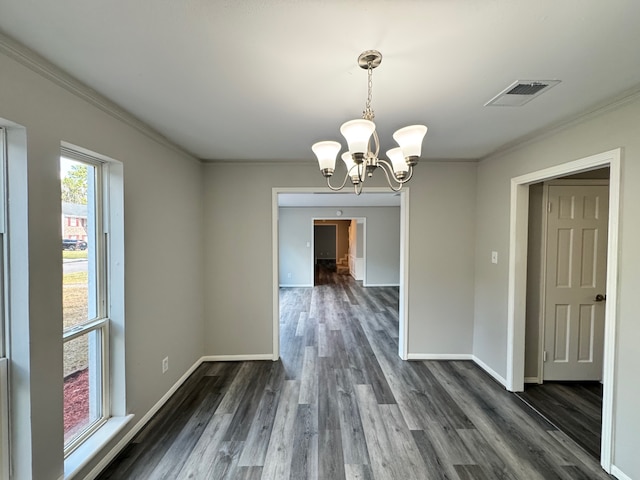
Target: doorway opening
(337,248)
(566,284)
(282,275)
(517,293)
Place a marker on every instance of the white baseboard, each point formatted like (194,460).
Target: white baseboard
(619,474)
(140,424)
(381,285)
(439,356)
(531,380)
(490,371)
(292,285)
(236,358)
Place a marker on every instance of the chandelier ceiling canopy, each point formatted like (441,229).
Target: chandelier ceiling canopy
(361,158)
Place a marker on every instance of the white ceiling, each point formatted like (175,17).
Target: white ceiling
(263,80)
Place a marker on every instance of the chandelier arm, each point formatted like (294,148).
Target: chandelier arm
(405,180)
(335,189)
(383,163)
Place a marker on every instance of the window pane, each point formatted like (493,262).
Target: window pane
(78,182)
(82,383)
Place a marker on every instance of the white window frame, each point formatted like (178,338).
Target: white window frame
(99,360)
(113,211)
(5,458)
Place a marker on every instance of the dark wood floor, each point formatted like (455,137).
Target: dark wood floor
(573,407)
(340,404)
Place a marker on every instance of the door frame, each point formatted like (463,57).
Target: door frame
(403,317)
(517,287)
(364,237)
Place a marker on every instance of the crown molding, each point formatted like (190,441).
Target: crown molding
(611,104)
(43,67)
(257,163)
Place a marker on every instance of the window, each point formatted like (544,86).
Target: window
(4,378)
(86,321)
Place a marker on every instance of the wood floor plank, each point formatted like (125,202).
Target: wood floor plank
(437,465)
(379,445)
(473,472)
(180,448)
(403,446)
(575,408)
(354,446)
(309,382)
(341,404)
(257,442)
(277,463)
(304,462)
(196,466)
(330,459)
(358,472)
(225,461)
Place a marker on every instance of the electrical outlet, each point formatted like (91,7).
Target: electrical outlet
(289,275)
(165,364)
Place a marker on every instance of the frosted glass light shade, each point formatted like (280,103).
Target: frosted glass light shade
(410,139)
(352,168)
(357,133)
(349,163)
(398,162)
(326,153)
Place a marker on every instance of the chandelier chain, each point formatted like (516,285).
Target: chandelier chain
(368,111)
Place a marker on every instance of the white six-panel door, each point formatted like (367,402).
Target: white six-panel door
(575,289)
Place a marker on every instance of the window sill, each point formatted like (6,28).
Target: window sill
(82,455)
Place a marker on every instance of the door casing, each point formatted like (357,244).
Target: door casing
(516,302)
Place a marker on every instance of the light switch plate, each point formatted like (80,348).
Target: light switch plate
(494,257)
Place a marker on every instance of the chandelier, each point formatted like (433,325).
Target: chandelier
(360,159)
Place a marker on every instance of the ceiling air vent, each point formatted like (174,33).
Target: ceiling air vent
(521,92)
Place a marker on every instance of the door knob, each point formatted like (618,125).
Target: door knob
(600,298)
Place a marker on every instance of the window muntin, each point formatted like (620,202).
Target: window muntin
(85,316)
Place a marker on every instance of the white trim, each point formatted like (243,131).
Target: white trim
(275,277)
(141,423)
(517,281)
(236,358)
(499,378)
(532,380)
(293,285)
(81,456)
(619,474)
(580,182)
(403,295)
(4,419)
(542,284)
(381,285)
(439,356)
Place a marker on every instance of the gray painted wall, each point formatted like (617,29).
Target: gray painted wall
(238,242)
(597,133)
(382,248)
(163,241)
